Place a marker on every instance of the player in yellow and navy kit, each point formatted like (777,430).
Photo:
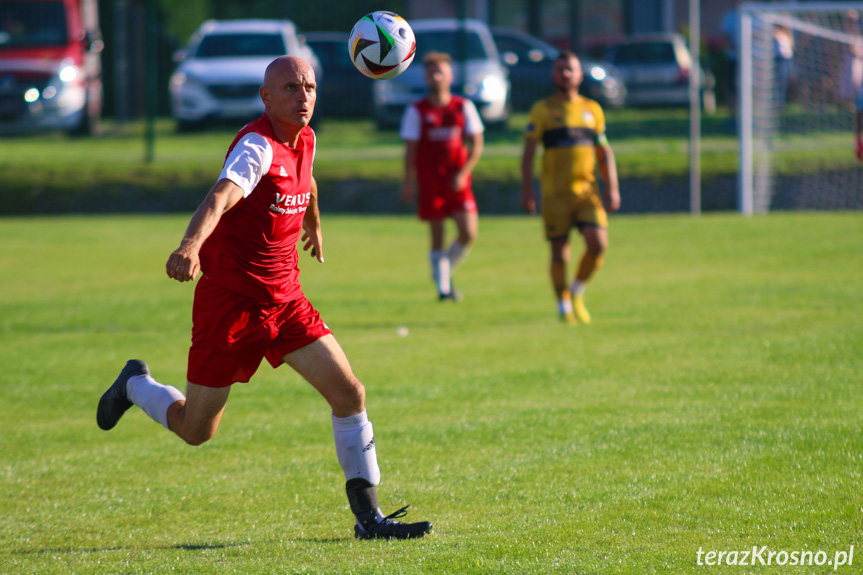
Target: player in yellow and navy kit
(571,129)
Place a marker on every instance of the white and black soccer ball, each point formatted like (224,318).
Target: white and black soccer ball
(382,45)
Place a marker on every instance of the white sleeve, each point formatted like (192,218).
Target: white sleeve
(247,163)
(411,129)
(472,122)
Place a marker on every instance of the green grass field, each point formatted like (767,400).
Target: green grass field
(715,403)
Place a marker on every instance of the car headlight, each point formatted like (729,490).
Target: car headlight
(488,89)
(68,73)
(598,73)
(64,89)
(493,88)
(184,81)
(179,79)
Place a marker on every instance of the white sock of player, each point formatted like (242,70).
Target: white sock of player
(152,397)
(564,306)
(457,253)
(577,288)
(440,265)
(355,447)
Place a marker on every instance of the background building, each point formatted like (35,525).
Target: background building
(582,25)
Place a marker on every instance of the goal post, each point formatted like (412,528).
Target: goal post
(801,67)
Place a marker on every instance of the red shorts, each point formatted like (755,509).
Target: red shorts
(232,333)
(437,205)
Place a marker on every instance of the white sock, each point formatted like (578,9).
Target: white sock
(152,397)
(457,253)
(355,447)
(564,306)
(577,288)
(440,265)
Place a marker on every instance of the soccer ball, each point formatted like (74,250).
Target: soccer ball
(382,45)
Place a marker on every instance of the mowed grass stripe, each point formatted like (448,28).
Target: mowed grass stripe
(714,403)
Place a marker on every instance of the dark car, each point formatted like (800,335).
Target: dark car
(657,69)
(344,92)
(530,60)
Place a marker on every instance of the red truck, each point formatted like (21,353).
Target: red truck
(50,66)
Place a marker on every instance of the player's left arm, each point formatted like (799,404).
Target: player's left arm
(474,140)
(475,144)
(605,158)
(313,237)
(858,145)
(608,169)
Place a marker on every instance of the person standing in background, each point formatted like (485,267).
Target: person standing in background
(571,129)
(443,136)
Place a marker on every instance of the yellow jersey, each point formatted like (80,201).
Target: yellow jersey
(569,132)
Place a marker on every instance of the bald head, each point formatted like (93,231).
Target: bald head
(287,66)
(289,94)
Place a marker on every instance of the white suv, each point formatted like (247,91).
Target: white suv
(479,73)
(223,67)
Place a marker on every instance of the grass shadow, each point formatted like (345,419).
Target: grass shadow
(182,546)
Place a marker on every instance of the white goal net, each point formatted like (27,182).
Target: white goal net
(801,69)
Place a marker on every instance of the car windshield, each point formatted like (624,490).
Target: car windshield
(523,48)
(452,43)
(333,55)
(25,24)
(645,53)
(240,45)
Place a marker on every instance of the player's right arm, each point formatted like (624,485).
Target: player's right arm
(411,132)
(247,162)
(409,183)
(858,150)
(528,201)
(533,133)
(184,263)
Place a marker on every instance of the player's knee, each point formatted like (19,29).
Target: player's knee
(467,238)
(197,437)
(597,249)
(357,396)
(349,398)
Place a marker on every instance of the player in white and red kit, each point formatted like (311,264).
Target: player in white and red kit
(249,304)
(443,136)
(858,126)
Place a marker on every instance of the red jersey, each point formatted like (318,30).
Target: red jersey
(441,150)
(253,250)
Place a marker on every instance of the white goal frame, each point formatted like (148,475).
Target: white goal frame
(774,13)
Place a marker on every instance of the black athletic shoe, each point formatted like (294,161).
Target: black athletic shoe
(453,295)
(115,402)
(386,528)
